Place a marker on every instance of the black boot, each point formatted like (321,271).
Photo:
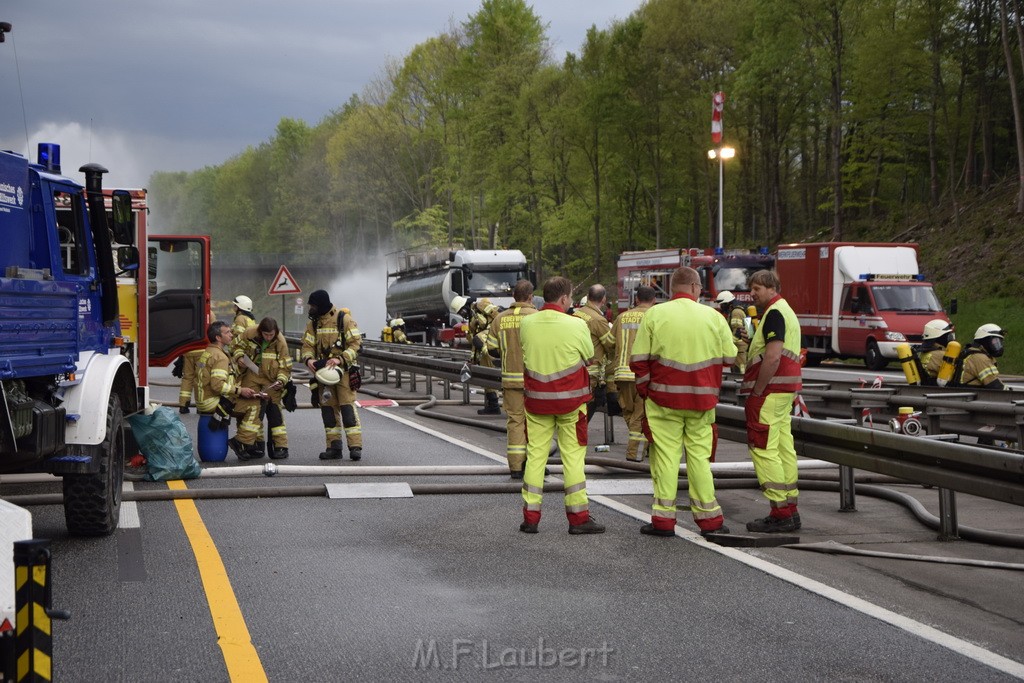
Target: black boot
(355,453)
(279,453)
(183,410)
(490,405)
(333,452)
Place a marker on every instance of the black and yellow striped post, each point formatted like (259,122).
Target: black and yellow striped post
(33,639)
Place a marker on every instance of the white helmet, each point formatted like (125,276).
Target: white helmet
(457,303)
(583,302)
(394,322)
(933,329)
(328,376)
(397,322)
(725,297)
(988,330)
(243,302)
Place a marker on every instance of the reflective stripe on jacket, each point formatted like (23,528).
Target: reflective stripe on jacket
(624,331)
(556,349)
(504,336)
(787,376)
(600,336)
(321,339)
(679,354)
(272,357)
(215,377)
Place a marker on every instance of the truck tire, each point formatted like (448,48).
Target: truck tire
(873,357)
(92,502)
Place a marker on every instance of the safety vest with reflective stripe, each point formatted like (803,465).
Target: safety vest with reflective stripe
(787,377)
(679,354)
(624,331)
(600,335)
(556,350)
(504,337)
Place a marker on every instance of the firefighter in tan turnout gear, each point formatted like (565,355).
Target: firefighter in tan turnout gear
(736,313)
(592,313)
(244,319)
(332,340)
(261,353)
(218,388)
(479,314)
(624,331)
(503,339)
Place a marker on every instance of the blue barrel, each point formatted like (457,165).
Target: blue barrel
(213,444)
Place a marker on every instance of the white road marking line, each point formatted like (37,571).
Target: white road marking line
(929,633)
(129,516)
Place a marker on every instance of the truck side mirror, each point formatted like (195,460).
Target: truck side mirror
(952,306)
(121,209)
(127,258)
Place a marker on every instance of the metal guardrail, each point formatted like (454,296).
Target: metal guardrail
(996,474)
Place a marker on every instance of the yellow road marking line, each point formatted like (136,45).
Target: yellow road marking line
(240,656)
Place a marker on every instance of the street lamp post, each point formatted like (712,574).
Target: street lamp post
(721,153)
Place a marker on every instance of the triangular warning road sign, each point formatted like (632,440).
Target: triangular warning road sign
(284,283)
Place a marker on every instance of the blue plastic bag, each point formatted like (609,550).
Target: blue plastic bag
(165,442)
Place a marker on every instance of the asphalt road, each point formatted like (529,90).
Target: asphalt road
(444,587)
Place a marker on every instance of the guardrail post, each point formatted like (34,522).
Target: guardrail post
(609,428)
(465,393)
(948,529)
(412,381)
(847,489)
(447,390)
(398,378)
(32,587)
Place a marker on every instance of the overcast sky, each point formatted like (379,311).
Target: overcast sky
(176,85)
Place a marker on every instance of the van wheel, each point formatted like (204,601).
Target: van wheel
(92,502)
(873,357)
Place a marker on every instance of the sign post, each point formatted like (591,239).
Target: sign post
(282,285)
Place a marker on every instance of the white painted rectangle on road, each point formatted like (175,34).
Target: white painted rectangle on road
(620,487)
(370,490)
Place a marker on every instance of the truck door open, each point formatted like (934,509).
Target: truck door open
(179,295)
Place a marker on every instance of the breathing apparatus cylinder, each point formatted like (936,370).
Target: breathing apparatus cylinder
(948,366)
(907,360)
(752,315)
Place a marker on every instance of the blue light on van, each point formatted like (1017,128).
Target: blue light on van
(49,156)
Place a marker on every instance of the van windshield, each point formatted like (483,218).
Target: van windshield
(906,298)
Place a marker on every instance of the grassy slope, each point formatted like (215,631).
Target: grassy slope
(976,256)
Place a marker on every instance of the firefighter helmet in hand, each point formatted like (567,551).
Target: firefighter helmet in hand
(243,302)
(934,329)
(328,376)
(724,298)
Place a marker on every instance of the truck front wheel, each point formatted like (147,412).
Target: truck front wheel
(873,357)
(92,502)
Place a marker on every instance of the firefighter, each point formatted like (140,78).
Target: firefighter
(244,319)
(261,353)
(479,314)
(977,364)
(736,314)
(770,384)
(398,332)
(332,339)
(936,336)
(624,331)
(503,339)
(556,388)
(591,311)
(185,369)
(218,387)
(678,357)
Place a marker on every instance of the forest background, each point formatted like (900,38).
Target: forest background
(853,120)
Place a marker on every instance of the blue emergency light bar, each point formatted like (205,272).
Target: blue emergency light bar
(49,156)
(719,251)
(763,251)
